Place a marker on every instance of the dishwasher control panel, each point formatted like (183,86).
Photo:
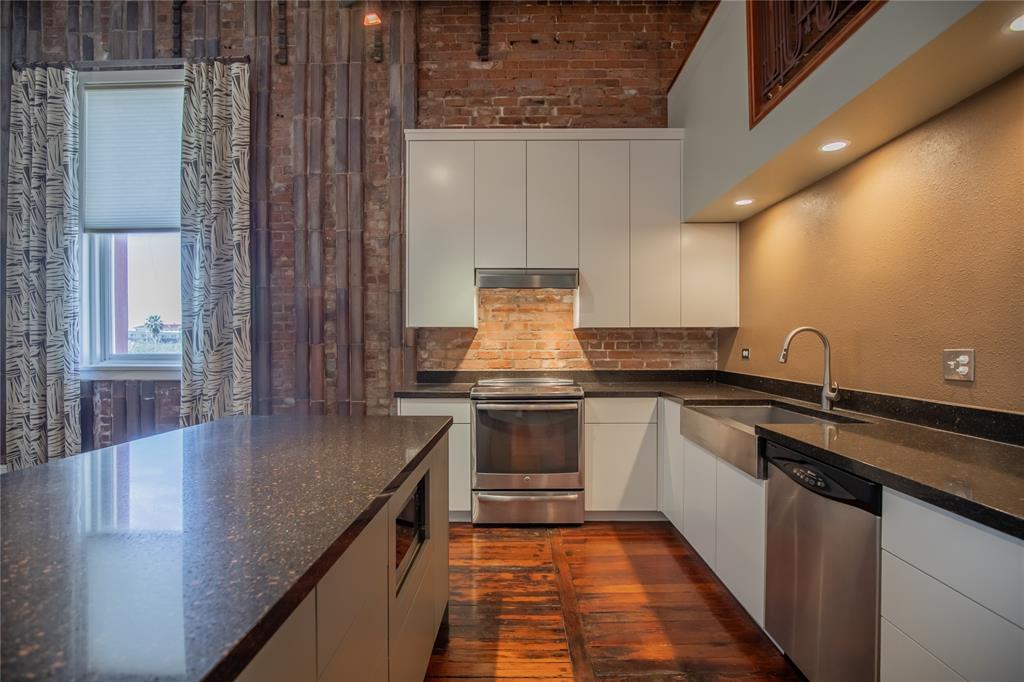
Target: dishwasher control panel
(810,477)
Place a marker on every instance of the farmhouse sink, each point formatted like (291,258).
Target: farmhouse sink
(727,431)
(752,415)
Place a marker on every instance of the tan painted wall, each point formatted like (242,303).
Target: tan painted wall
(916,247)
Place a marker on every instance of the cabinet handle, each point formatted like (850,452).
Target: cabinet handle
(569,497)
(527,407)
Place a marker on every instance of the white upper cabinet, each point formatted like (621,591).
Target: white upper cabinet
(440,287)
(500,199)
(655,255)
(604,233)
(552,203)
(605,201)
(710,275)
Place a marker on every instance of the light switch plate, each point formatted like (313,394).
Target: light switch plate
(745,353)
(958,364)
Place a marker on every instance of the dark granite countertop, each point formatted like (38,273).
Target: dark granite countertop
(681,390)
(177,556)
(454,391)
(980,479)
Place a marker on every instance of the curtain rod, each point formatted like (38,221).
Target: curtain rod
(133,64)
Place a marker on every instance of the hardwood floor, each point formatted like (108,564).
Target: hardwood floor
(601,601)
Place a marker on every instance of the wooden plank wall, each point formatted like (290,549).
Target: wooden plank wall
(357,378)
(257,20)
(343,35)
(401,115)
(129,33)
(299,148)
(314,204)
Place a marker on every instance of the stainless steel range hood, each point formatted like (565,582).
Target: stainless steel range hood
(527,278)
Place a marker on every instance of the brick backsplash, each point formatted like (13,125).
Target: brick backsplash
(529,329)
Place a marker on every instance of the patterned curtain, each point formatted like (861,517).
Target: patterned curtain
(41,264)
(216,370)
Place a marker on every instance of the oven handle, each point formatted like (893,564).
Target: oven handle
(526,407)
(572,497)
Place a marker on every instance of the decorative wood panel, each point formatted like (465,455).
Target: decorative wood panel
(788,39)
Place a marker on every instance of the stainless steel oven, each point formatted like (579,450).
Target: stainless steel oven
(527,451)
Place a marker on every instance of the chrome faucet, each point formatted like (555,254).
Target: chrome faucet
(829,389)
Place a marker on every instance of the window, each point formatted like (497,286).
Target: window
(130,189)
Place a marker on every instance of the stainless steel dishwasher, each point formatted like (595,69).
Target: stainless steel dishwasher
(822,568)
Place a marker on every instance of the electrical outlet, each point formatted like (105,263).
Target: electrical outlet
(958,364)
(745,353)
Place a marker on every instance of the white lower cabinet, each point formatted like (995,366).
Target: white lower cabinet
(291,653)
(360,622)
(904,660)
(351,610)
(621,467)
(670,463)
(700,489)
(459,440)
(620,445)
(459,468)
(952,595)
(417,598)
(740,536)
(968,638)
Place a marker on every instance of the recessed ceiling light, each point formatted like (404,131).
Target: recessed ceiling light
(834,146)
(744,202)
(1017,25)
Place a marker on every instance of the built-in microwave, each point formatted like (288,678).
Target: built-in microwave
(411,529)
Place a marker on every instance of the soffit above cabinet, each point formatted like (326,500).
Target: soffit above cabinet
(907,63)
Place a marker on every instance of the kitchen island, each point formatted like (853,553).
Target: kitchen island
(185,555)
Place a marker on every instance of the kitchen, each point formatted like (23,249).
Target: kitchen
(552,340)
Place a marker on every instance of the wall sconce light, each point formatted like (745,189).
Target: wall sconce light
(373,21)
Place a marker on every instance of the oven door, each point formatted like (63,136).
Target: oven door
(521,446)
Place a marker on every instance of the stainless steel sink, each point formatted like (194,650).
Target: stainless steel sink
(728,430)
(752,415)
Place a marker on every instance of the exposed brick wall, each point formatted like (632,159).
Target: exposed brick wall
(531,329)
(557,64)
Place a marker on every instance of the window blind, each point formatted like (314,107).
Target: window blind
(131,148)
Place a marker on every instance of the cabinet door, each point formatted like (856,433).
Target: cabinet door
(413,615)
(438,519)
(967,637)
(904,660)
(352,610)
(946,547)
(604,234)
(670,463)
(290,654)
(699,493)
(552,204)
(441,290)
(459,443)
(710,275)
(459,465)
(740,537)
(654,234)
(621,467)
(500,199)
